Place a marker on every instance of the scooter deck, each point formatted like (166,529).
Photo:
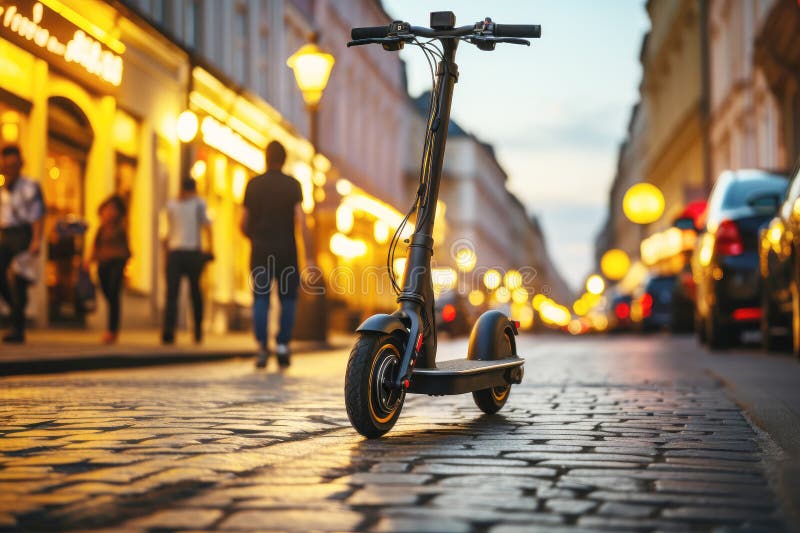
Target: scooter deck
(458,376)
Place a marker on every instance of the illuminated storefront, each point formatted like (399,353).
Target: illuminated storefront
(90,96)
(225,134)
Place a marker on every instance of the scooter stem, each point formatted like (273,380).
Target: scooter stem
(416,298)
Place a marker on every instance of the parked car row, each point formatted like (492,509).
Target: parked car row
(725,264)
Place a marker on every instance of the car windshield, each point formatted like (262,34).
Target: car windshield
(661,283)
(741,192)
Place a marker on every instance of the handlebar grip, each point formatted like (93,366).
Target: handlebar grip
(369,32)
(531,31)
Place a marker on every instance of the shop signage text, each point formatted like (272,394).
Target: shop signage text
(58,41)
(230,143)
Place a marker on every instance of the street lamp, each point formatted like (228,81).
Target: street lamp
(643,203)
(312,68)
(595,284)
(615,264)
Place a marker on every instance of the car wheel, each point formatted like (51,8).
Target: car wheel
(769,341)
(717,334)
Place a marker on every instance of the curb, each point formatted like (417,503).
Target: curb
(20,367)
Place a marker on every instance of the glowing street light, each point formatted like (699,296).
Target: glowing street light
(492,279)
(643,203)
(312,69)
(595,284)
(187,126)
(615,264)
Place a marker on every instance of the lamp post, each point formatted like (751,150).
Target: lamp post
(312,68)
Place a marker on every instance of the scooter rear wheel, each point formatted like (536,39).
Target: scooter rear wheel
(373,406)
(492,400)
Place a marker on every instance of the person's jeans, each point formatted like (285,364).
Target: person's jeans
(111,274)
(261,317)
(266,272)
(182,263)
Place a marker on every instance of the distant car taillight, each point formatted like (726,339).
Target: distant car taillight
(647,304)
(622,310)
(449,313)
(727,240)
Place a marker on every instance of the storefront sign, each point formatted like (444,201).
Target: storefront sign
(44,32)
(230,143)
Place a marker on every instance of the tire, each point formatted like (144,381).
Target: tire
(490,401)
(372,407)
(716,333)
(769,341)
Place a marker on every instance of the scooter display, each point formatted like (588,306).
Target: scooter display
(395,354)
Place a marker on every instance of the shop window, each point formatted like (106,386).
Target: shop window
(69,139)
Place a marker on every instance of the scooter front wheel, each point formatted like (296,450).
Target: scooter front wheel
(373,405)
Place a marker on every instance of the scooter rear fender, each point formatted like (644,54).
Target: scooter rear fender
(487,331)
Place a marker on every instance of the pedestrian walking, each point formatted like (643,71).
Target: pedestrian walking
(111,253)
(184,220)
(21,212)
(272,208)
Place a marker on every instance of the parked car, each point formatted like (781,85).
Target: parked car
(726,261)
(683,296)
(653,304)
(780,302)
(452,314)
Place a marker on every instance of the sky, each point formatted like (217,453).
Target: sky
(555,112)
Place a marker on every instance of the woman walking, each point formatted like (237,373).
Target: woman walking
(111,252)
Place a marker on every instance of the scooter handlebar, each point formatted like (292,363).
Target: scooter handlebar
(529,31)
(369,32)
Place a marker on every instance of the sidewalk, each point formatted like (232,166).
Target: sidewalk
(66,350)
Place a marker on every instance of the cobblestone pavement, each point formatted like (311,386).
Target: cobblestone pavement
(610,434)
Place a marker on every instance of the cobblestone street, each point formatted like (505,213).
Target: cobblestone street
(617,433)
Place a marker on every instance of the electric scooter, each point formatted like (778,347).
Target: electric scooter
(395,353)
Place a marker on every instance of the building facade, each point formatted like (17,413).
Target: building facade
(719,91)
(90,125)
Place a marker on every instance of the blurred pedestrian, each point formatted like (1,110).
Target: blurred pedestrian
(184,220)
(21,212)
(272,207)
(111,252)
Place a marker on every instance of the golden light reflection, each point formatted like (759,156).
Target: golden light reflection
(512,279)
(476,297)
(502,295)
(345,247)
(492,279)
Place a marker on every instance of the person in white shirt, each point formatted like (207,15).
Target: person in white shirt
(184,221)
(21,213)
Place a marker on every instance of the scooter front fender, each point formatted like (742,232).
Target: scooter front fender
(382,323)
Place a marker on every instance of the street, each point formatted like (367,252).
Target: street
(616,433)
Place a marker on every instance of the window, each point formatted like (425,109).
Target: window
(161,11)
(193,24)
(241,57)
(263,62)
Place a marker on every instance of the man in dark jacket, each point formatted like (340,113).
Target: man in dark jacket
(272,208)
